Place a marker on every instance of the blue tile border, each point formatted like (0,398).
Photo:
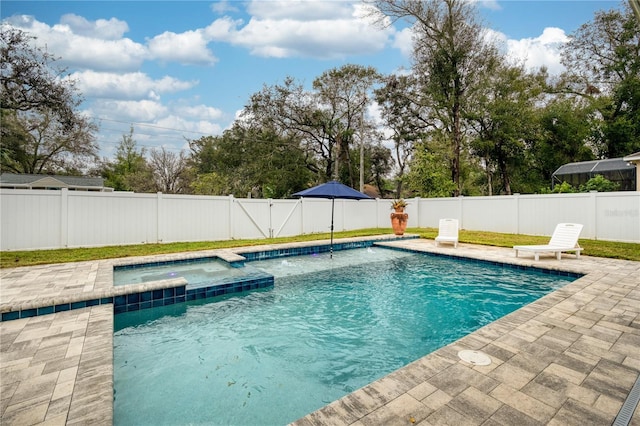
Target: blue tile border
(8,316)
(51,309)
(45,310)
(180,294)
(317,249)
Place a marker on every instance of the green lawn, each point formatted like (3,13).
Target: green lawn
(10,259)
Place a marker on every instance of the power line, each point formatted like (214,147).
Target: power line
(159,137)
(152,126)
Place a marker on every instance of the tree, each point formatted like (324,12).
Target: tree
(343,93)
(130,170)
(504,120)
(248,160)
(292,112)
(635,5)
(603,59)
(428,176)
(169,170)
(450,56)
(210,184)
(404,118)
(565,137)
(41,128)
(324,121)
(14,140)
(37,143)
(381,165)
(29,80)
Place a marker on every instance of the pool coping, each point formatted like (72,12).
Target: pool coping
(68,351)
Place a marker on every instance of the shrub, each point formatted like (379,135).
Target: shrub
(599,183)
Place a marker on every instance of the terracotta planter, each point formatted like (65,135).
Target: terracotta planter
(399,222)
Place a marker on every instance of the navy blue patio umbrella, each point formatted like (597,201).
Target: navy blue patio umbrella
(332,190)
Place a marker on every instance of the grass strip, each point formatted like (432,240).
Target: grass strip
(10,259)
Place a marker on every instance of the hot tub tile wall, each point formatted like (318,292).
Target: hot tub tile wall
(179,294)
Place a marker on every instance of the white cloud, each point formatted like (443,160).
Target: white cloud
(189,47)
(300,10)
(177,118)
(97,50)
(112,29)
(100,45)
(321,39)
(154,124)
(318,29)
(223,6)
(200,112)
(133,86)
(223,29)
(133,111)
(108,66)
(403,41)
(489,4)
(192,129)
(539,51)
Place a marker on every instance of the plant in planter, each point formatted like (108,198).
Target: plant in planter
(399,217)
(398,205)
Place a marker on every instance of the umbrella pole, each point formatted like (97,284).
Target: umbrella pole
(333,200)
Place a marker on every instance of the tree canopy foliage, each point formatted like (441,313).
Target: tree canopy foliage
(249,161)
(463,120)
(603,62)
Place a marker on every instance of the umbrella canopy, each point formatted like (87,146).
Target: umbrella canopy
(332,190)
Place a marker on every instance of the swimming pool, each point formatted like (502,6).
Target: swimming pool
(271,356)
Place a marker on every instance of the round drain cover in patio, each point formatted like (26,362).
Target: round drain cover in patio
(475,357)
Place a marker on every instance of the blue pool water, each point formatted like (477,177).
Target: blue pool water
(196,272)
(272,356)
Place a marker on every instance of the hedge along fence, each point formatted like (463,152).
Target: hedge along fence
(42,219)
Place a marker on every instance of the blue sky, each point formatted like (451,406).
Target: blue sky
(179,70)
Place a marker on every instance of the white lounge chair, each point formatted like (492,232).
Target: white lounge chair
(448,232)
(564,238)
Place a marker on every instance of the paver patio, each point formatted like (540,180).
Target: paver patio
(569,358)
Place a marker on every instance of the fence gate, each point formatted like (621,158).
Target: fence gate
(259,219)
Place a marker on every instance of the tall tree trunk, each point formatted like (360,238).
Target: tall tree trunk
(504,174)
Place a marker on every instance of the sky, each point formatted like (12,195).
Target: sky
(181,70)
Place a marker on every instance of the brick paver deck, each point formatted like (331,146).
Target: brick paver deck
(570,358)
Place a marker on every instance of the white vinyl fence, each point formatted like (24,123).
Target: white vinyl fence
(41,219)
